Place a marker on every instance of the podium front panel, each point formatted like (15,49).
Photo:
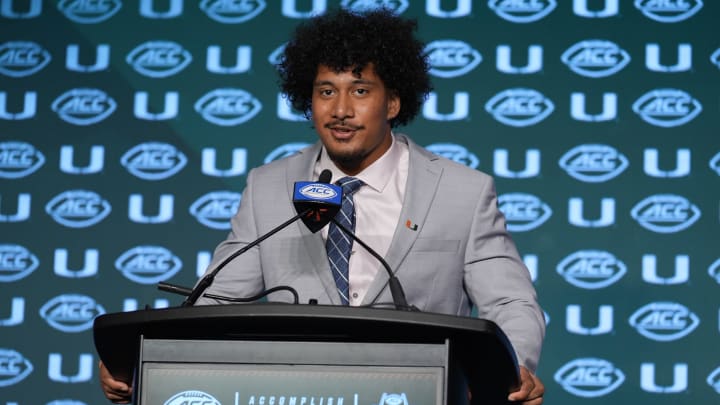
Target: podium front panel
(291,373)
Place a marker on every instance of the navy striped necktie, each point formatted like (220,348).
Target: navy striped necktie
(339,245)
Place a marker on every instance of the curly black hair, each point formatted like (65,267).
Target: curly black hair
(345,40)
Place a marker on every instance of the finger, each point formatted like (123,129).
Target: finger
(530,387)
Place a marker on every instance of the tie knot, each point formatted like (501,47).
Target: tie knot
(350,184)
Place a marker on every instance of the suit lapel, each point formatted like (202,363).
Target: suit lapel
(422,183)
(301,169)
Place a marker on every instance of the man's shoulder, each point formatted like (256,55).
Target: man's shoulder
(450,167)
(279,167)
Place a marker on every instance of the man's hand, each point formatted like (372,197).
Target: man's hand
(531,389)
(116,391)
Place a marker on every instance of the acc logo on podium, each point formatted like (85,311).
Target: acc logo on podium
(191,398)
(71,312)
(393,399)
(589,377)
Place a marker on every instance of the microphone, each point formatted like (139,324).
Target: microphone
(396,290)
(315,204)
(321,201)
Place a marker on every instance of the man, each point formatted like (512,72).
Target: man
(436,222)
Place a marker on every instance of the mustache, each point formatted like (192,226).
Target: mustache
(342,123)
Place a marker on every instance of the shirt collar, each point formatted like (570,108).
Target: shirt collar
(375,176)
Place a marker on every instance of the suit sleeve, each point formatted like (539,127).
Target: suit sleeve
(241,277)
(498,282)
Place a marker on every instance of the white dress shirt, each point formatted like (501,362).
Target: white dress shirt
(377,209)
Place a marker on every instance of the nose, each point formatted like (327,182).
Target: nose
(343,108)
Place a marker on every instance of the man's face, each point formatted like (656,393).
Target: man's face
(351,115)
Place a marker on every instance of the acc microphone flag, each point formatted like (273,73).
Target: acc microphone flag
(321,200)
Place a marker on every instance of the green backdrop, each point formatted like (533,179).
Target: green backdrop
(127,129)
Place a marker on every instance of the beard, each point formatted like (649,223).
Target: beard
(348,159)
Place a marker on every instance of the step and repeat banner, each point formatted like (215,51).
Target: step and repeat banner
(127,129)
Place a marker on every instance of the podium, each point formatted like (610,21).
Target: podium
(282,354)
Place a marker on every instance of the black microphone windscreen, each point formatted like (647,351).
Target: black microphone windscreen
(325,176)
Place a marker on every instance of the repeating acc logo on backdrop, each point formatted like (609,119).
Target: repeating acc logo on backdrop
(665,213)
(228,107)
(589,377)
(593,163)
(451,58)
(522,11)
(153,160)
(71,312)
(275,56)
(215,209)
(14,367)
(396,6)
(148,264)
(455,152)
(715,163)
(22,58)
(524,212)
(519,107)
(667,107)
(89,12)
(78,208)
(713,380)
(16,262)
(595,58)
(715,58)
(159,58)
(664,321)
(232,12)
(669,11)
(84,106)
(591,269)
(19,159)
(714,270)
(284,151)
(192,397)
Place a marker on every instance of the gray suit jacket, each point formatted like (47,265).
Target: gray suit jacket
(460,254)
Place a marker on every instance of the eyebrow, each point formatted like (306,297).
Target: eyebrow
(331,83)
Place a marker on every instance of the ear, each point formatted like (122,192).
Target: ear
(393,104)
